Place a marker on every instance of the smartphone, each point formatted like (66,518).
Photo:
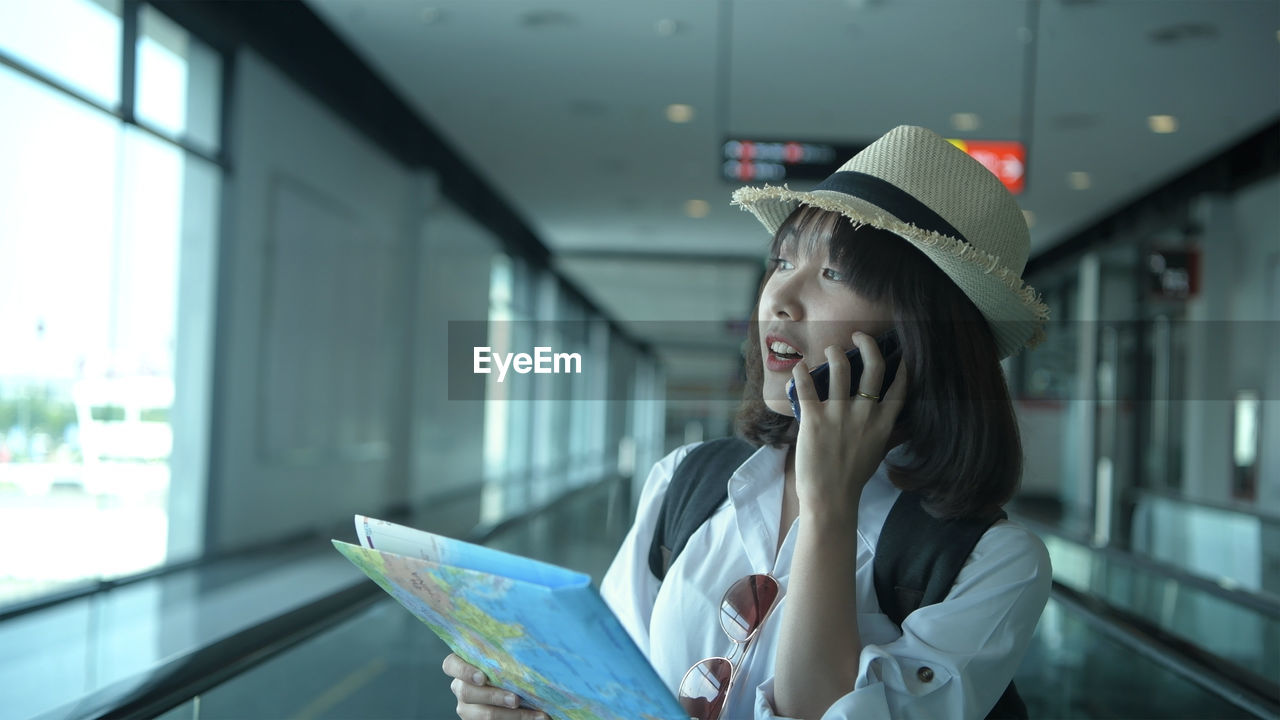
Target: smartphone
(890,349)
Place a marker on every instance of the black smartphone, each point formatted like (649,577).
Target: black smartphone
(890,349)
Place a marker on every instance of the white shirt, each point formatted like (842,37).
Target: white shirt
(973,641)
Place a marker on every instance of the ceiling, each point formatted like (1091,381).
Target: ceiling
(562,106)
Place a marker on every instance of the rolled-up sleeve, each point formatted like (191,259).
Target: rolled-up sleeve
(628,586)
(954,658)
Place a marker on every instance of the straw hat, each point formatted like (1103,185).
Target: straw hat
(917,185)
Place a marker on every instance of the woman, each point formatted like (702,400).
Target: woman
(911,235)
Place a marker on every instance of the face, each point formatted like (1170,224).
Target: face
(806,306)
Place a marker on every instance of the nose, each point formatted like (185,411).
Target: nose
(782,296)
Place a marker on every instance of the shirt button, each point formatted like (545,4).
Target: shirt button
(925,674)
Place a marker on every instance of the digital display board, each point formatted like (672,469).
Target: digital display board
(776,161)
(748,161)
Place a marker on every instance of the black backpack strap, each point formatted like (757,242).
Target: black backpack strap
(918,557)
(699,485)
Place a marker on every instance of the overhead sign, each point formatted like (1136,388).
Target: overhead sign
(747,161)
(1006,159)
(774,161)
(1174,274)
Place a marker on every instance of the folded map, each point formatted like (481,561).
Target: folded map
(536,629)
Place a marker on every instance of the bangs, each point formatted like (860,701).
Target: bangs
(805,229)
(872,261)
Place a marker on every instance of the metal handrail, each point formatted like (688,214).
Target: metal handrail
(1239,508)
(293,541)
(180,679)
(1259,602)
(1244,690)
(93,586)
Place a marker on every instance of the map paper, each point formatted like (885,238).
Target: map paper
(536,629)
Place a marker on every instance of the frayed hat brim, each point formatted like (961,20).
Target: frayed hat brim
(1015,311)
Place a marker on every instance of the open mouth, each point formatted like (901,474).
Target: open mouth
(783,351)
(782,355)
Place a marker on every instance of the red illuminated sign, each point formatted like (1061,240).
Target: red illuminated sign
(1007,159)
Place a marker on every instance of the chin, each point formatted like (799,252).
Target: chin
(784,409)
(780,405)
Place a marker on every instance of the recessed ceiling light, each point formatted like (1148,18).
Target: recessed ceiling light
(1078,180)
(1163,124)
(966,122)
(697,208)
(1030,217)
(679,113)
(666,27)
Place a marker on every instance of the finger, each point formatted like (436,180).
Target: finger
(467,711)
(806,394)
(487,695)
(456,667)
(838,377)
(872,364)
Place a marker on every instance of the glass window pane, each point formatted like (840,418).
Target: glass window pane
(54,317)
(193,354)
(76,42)
(178,81)
(89,312)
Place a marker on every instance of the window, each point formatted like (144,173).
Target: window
(106,288)
(74,44)
(178,82)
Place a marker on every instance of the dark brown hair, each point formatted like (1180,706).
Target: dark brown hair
(965,453)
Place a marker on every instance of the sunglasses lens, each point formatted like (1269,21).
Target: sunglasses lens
(745,605)
(704,688)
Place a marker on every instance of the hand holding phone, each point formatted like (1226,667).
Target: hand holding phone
(890,349)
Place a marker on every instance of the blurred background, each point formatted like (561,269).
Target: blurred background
(247,248)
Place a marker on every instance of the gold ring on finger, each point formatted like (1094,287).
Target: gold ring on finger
(868,396)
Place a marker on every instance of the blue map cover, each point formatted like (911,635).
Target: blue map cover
(536,629)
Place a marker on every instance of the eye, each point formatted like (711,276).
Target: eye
(832,275)
(781,263)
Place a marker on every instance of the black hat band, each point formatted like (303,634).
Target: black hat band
(891,199)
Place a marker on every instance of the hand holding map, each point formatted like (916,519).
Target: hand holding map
(535,629)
